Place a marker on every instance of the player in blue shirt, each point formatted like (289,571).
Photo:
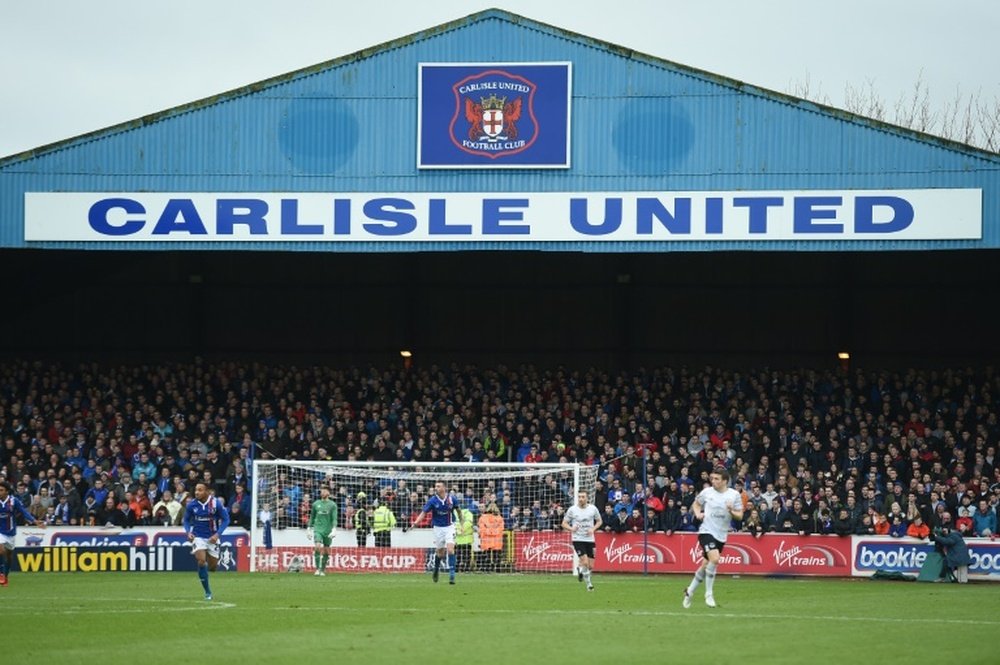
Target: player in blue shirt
(441,505)
(10,506)
(205,518)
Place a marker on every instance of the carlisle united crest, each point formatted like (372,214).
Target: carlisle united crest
(494,114)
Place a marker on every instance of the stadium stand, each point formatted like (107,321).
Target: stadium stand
(812,450)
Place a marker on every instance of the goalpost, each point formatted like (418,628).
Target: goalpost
(530,498)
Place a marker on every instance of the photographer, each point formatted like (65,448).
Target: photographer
(950,543)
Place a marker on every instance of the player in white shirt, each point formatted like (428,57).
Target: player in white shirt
(583,520)
(716,506)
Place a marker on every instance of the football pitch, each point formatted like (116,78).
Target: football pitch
(372,619)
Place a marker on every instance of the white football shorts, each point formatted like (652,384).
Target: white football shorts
(204,544)
(443,536)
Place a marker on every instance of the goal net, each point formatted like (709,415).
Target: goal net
(529,499)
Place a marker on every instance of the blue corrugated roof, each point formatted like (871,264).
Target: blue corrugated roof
(640,124)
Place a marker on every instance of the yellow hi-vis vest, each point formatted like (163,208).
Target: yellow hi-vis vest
(383,519)
(464,534)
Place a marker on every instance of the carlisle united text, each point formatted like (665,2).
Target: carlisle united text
(493,85)
(545,216)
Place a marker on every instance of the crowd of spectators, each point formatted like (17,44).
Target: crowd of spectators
(812,451)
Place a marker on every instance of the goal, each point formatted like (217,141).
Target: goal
(531,499)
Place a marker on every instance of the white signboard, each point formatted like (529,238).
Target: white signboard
(834,215)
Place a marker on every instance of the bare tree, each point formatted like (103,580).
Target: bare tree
(967,117)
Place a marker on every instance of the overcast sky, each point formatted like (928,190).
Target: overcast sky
(73,66)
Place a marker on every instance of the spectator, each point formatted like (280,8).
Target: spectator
(917,528)
(895,512)
(824,521)
(618,522)
(788,525)
(162,518)
(964,524)
(122,516)
(984,520)
(99,493)
(881,524)
(105,515)
(36,509)
(635,521)
(170,506)
(516,521)
(144,466)
(650,520)
(866,526)
(495,445)
(897,526)
(843,525)
(687,523)
(608,518)
(238,518)
(753,524)
(124,486)
(90,506)
(63,513)
(776,516)
(670,518)
(525,448)
(242,498)
(140,503)
(964,507)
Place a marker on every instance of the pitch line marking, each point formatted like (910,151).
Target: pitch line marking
(657,613)
(195,606)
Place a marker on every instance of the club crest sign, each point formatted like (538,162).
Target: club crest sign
(492,121)
(494,116)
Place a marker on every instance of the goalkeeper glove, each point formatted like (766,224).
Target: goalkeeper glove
(309,535)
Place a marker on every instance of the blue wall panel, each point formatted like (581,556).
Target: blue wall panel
(638,124)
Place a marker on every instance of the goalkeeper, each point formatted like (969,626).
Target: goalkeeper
(322,528)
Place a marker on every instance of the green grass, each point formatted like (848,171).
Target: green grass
(288,618)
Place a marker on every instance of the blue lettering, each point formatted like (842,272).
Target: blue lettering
(438,220)
(290,221)
(713,215)
(98,217)
(389,210)
(179,216)
(806,211)
(864,214)
(757,210)
(580,223)
(494,215)
(230,212)
(342,217)
(678,221)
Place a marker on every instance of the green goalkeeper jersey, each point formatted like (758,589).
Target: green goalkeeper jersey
(323,517)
